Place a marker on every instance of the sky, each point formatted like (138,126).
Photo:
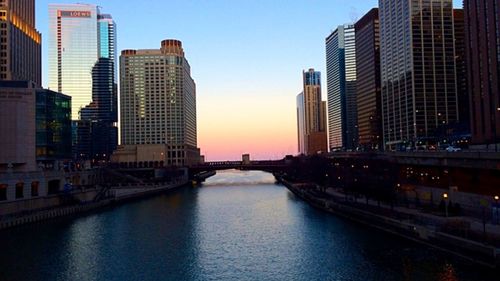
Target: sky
(246,57)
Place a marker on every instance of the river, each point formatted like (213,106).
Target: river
(237,226)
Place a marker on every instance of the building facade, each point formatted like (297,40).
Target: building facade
(368,81)
(73,51)
(82,64)
(20,42)
(17,126)
(311,115)
(341,80)
(53,128)
(418,70)
(482,35)
(461,65)
(158,107)
(301,123)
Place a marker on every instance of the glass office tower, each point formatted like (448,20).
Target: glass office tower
(341,80)
(53,127)
(73,51)
(82,64)
(368,81)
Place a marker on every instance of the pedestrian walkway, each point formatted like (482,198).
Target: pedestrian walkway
(475,228)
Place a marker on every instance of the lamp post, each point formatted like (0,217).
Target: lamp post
(445,198)
(497,198)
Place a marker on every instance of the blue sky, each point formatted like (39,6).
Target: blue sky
(246,57)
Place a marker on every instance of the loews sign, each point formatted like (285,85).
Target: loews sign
(74,14)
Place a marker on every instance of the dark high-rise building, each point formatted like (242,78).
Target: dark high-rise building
(460,130)
(418,70)
(100,117)
(20,42)
(341,80)
(482,33)
(53,127)
(368,81)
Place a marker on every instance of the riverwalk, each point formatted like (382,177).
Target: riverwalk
(114,195)
(464,237)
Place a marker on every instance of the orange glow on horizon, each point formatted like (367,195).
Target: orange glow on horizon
(231,126)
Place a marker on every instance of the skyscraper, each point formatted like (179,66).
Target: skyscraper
(82,64)
(341,80)
(73,51)
(158,107)
(463,128)
(20,42)
(418,69)
(311,115)
(301,123)
(368,81)
(483,68)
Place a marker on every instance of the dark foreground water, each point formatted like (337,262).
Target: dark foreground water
(239,226)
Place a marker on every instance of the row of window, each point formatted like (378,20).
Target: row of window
(19,190)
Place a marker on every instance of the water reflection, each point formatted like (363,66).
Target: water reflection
(237,226)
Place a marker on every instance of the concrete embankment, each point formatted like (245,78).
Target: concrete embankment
(402,226)
(115,195)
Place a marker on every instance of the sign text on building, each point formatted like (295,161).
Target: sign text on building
(75,14)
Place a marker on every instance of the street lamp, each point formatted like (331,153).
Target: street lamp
(445,198)
(497,198)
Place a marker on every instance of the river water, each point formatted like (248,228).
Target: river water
(238,226)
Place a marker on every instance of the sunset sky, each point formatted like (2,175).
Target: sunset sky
(246,57)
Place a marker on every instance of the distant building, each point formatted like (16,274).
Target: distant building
(311,116)
(341,80)
(53,128)
(368,81)
(158,107)
(301,123)
(245,159)
(482,35)
(82,54)
(17,126)
(20,42)
(418,70)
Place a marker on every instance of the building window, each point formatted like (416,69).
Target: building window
(53,187)
(34,188)
(3,192)
(19,190)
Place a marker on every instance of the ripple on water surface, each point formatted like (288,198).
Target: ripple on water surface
(238,226)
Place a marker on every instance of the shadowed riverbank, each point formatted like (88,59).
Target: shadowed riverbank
(238,226)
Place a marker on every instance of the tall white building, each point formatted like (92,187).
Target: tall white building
(73,51)
(158,107)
